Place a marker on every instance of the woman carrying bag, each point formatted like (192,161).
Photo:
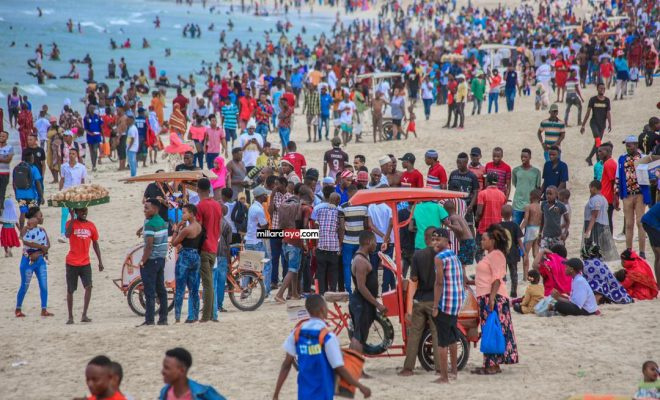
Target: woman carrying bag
(492,298)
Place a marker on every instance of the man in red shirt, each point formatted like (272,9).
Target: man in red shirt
(501,169)
(181,100)
(81,234)
(209,214)
(489,208)
(608,180)
(437,176)
(410,177)
(289,96)
(295,158)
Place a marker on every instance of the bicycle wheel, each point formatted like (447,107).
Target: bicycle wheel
(381,335)
(425,351)
(137,301)
(251,292)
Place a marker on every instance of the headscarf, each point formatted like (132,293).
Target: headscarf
(221,172)
(178,120)
(639,280)
(554,275)
(9,214)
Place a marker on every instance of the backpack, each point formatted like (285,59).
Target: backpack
(22,176)
(316,378)
(239,217)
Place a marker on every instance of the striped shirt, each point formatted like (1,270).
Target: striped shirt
(452,286)
(355,221)
(552,129)
(436,176)
(278,199)
(156,228)
(328,222)
(571,86)
(229,115)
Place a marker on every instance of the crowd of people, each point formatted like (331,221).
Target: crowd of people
(249,111)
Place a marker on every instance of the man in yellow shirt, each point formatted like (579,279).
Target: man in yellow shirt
(460,99)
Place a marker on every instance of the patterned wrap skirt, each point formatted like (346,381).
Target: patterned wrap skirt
(502,306)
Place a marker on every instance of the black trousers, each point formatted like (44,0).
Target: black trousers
(327,270)
(568,308)
(4,181)
(513,273)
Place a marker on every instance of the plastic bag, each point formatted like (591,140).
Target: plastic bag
(541,308)
(492,338)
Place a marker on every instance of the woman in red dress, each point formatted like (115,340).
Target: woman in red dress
(561,75)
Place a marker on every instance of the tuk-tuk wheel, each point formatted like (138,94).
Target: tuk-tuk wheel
(425,350)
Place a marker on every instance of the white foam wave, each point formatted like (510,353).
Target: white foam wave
(2,19)
(116,21)
(51,86)
(33,89)
(137,21)
(177,26)
(92,25)
(2,95)
(136,14)
(44,11)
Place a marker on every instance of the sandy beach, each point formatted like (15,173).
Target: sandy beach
(241,354)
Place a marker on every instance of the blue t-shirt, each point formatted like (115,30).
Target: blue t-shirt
(141,125)
(31,193)
(93,124)
(652,217)
(554,176)
(296,80)
(326,102)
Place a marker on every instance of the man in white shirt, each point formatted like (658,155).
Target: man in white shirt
(346,109)
(332,78)
(42,124)
(252,145)
(544,74)
(132,143)
(72,174)
(257,220)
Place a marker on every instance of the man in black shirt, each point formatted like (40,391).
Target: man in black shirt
(188,164)
(38,156)
(599,110)
(649,137)
(161,192)
(419,310)
(464,180)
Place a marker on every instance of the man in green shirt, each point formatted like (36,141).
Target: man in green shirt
(426,214)
(152,265)
(525,178)
(478,88)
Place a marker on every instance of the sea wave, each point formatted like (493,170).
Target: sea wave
(93,25)
(117,21)
(33,89)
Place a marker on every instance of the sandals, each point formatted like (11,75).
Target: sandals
(485,371)
(19,314)
(45,313)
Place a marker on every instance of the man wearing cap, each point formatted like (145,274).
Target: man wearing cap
(489,206)
(554,129)
(411,177)
(251,144)
(297,160)
(598,109)
(334,159)
(257,220)
(436,178)
(362,179)
(476,167)
(342,187)
(582,301)
(633,194)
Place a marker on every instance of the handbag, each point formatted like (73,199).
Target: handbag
(492,338)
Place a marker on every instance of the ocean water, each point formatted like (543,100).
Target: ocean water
(119,20)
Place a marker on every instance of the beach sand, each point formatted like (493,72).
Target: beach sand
(242,353)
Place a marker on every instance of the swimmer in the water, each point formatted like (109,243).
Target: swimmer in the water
(39,11)
(145,44)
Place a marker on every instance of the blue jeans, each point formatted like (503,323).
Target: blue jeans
(153,280)
(510,94)
(518,216)
(210,159)
(389,282)
(276,250)
(293,256)
(347,253)
(492,99)
(132,162)
(324,120)
(199,155)
(284,137)
(187,275)
(219,282)
(262,129)
(40,269)
(260,246)
(427,107)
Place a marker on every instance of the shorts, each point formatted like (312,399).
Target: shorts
(531,233)
(363,315)
(72,274)
(653,234)
(25,204)
(230,133)
(397,122)
(347,128)
(293,256)
(13,112)
(445,325)
(312,119)
(466,251)
(121,148)
(547,242)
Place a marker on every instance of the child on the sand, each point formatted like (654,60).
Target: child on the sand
(411,123)
(459,227)
(9,221)
(531,225)
(650,387)
(533,294)
(317,348)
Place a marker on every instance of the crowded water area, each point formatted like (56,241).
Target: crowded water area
(205,199)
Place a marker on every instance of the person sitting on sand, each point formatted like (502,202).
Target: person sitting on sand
(650,387)
(316,368)
(176,365)
(605,286)
(636,277)
(549,263)
(533,294)
(581,300)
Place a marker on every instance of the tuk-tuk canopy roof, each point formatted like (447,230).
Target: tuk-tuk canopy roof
(171,176)
(387,195)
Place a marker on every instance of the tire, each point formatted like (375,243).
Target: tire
(382,327)
(387,130)
(136,300)
(253,295)
(425,350)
